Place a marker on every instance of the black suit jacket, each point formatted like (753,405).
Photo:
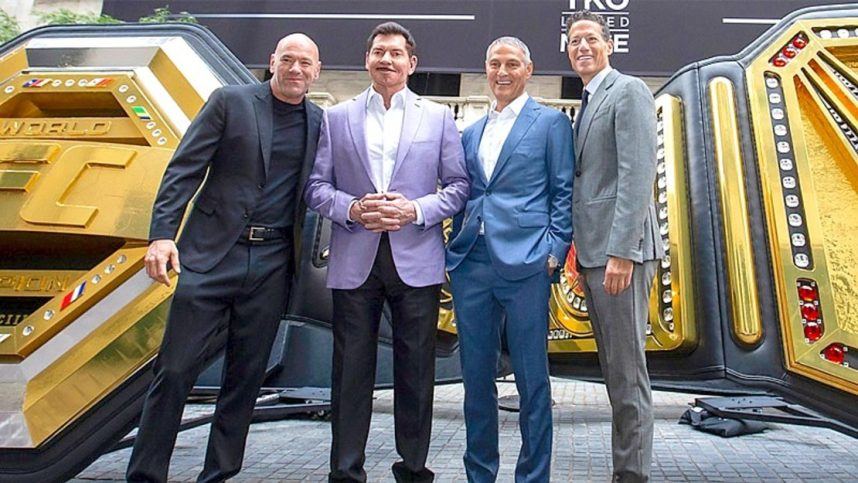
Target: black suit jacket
(229,145)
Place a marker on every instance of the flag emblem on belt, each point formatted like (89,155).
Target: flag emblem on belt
(141,112)
(72,296)
(100,82)
(36,82)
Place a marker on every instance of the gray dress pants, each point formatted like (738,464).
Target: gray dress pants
(619,323)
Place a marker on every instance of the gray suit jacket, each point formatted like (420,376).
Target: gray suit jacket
(613,211)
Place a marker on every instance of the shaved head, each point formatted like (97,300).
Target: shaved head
(298,39)
(294,66)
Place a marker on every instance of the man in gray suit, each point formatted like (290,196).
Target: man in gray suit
(615,229)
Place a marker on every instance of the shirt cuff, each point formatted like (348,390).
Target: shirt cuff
(419,211)
(349,211)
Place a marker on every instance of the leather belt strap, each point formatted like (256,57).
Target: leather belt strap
(261,234)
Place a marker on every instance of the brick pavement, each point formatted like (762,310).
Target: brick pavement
(297,449)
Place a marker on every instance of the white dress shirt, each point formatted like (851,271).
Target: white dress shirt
(596,81)
(496,131)
(382,130)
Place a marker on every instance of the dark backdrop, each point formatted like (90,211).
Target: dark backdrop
(654,37)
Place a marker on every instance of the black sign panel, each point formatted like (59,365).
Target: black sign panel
(652,37)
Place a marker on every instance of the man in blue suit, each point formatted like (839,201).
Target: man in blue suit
(504,249)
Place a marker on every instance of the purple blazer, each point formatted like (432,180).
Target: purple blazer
(430,155)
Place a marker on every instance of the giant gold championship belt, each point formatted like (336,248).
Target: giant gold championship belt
(89,119)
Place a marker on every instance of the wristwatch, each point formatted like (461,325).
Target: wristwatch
(553,263)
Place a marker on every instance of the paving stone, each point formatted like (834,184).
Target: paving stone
(296,450)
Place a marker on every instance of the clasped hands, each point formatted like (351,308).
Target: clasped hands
(380,212)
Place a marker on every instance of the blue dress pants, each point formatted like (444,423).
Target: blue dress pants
(486,306)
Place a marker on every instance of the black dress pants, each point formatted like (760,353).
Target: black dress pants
(357,314)
(246,293)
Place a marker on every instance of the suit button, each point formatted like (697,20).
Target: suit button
(577,174)
(246,215)
(488,192)
(260,186)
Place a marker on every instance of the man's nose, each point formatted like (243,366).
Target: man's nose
(386,57)
(295,66)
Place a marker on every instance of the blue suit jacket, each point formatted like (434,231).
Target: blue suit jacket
(527,204)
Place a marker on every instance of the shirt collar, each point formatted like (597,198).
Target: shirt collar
(512,109)
(278,104)
(397,100)
(597,80)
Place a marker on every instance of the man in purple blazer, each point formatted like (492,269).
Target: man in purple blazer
(380,160)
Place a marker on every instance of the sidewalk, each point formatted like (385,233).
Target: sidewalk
(297,449)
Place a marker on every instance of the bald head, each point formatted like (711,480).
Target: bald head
(298,39)
(294,67)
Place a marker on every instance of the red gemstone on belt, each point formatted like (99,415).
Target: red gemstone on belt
(813,331)
(835,353)
(810,312)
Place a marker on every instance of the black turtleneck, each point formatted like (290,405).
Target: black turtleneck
(276,207)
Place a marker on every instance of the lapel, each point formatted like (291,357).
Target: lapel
(357,129)
(474,148)
(264,107)
(412,117)
(314,122)
(592,107)
(522,124)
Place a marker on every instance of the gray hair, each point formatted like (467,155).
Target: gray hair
(512,42)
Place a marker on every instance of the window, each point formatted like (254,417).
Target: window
(434,84)
(571,88)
